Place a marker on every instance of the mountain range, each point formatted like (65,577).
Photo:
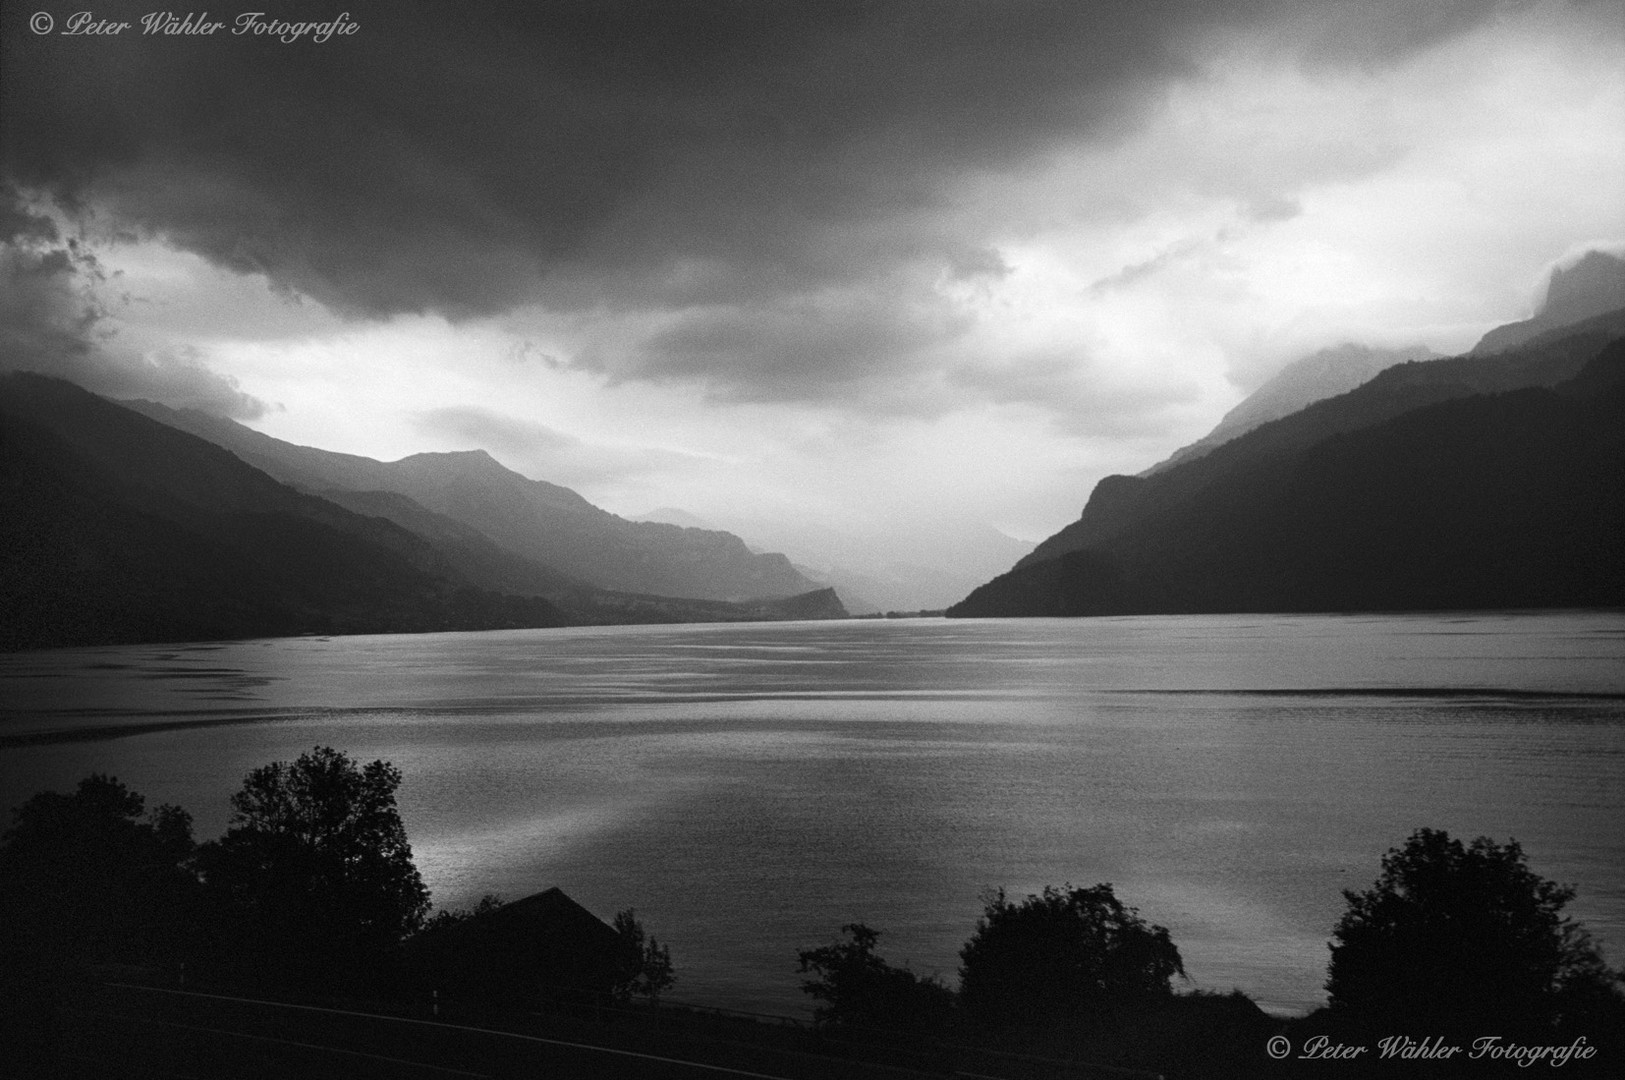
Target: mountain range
(1493,479)
(548,524)
(1357,479)
(119,527)
(925,563)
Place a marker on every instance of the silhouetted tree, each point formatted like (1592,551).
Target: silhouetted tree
(84,878)
(314,877)
(92,876)
(1064,953)
(645,968)
(859,989)
(1455,937)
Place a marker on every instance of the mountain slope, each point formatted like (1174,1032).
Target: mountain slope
(1119,501)
(1300,384)
(1508,499)
(1592,286)
(542,522)
(114,528)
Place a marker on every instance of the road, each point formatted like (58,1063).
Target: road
(120,1030)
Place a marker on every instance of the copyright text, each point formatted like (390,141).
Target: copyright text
(196,24)
(1433,1048)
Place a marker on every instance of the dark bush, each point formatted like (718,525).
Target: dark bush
(644,969)
(859,989)
(93,877)
(1064,953)
(1464,938)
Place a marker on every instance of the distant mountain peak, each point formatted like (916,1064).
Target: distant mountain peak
(1334,370)
(1592,285)
(671,515)
(457,457)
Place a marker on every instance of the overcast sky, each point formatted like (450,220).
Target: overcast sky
(843,260)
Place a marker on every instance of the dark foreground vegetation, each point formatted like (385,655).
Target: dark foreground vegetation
(301,943)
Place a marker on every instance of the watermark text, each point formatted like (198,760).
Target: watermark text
(1431,1048)
(197,24)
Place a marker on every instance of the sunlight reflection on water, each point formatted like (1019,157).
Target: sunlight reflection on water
(751,788)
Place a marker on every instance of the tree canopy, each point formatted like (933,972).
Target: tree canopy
(314,873)
(857,988)
(1063,953)
(93,876)
(644,968)
(1458,936)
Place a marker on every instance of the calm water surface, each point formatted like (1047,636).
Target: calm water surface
(750,788)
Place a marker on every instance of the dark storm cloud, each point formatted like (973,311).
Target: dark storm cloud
(806,346)
(53,321)
(741,159)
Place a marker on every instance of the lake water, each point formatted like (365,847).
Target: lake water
(750,788)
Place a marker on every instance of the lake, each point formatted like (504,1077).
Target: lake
(750,788)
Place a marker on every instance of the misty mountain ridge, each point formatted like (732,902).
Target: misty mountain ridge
(926,563)
(1461,482)
(1592,286)
(449,474)
(533,519)
(1553,359)
(1320,375)
(932,563)
(119,529)
(479,560)
(671,515)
